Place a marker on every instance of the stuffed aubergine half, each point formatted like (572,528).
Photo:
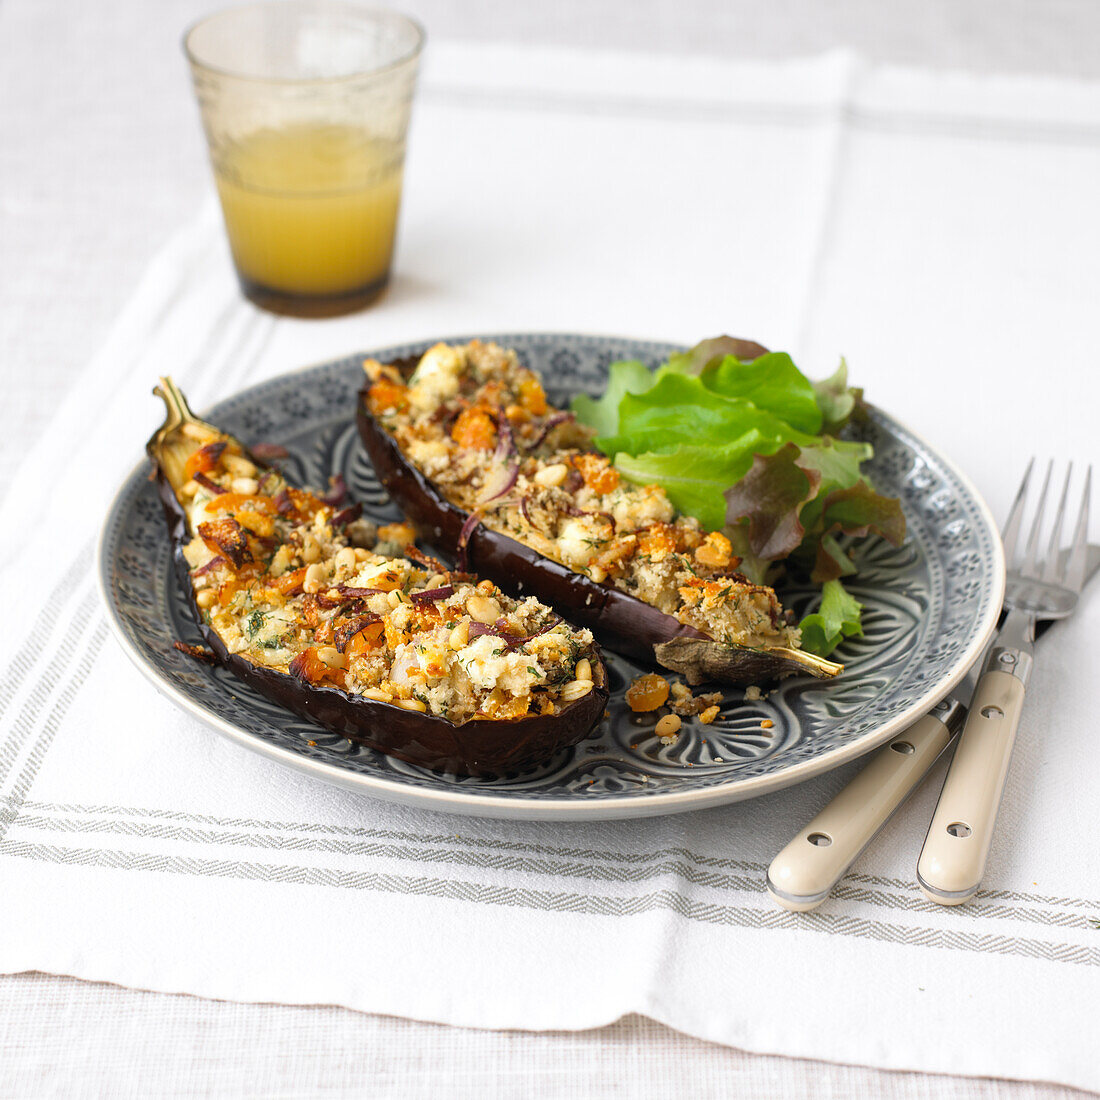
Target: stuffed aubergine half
(384,646)
(468,446)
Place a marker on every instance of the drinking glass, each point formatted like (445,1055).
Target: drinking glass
(305,105)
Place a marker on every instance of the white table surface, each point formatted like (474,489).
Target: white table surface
(100,159)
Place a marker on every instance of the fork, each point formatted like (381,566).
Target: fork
(953,859)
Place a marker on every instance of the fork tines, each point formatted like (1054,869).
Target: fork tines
(1055,567)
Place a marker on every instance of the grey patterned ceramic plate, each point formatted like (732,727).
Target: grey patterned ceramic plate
(930,607)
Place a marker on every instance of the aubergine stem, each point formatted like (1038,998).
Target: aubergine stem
(818,666)
(169,446)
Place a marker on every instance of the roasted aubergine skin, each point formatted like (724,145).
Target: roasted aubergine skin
(479,747)
(620,621)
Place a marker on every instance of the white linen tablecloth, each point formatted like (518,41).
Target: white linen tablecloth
(941,234)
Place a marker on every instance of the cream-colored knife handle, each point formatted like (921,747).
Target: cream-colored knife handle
(952,862)
(802,875)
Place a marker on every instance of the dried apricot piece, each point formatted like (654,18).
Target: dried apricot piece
(532,396)
(647,693)
(474,428)
(597,472)
(387,396)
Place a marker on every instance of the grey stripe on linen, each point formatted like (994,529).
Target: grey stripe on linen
(656,867)
(77,574)
(494,844)
(563,902)
(33,645)
(40,695)
(49,729)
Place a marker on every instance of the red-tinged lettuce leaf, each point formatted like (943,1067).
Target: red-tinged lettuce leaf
(838,462)
(858,511)
(831,559)
(836,399)
(771,382)
(711,351)
(838,617)
(770,497)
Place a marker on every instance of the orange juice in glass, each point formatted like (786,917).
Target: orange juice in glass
(306,108)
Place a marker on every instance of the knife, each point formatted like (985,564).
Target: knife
(804,873)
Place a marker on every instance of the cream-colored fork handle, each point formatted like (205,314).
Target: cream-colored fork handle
(952,862)
(802,875)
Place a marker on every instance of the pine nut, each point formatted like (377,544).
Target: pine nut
(550,477)
(393,598)
(206,598)
(377,694)
(238,465)
(583,671)
(668,725)
(189,488)
(345,560)
(411,704)
(708,715)
(332,657)
(575,689)
(311,549)
(483,609)
(361,554)
(486,588)
(460,636)
(435,581)
(246,486)
(315,578)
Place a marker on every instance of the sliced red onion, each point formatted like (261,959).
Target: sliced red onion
(268,476)
(213,486)
(526,515)
(512,641)
(548,426)
(269,451)
(414,553)
(477,630)
(506,441)
(348,515)
(500,480)
(350,627)
(505,465)
(472,520)
(440,593)
(545,629)
(574,511)
(337,492)
(356,593)
(213,563)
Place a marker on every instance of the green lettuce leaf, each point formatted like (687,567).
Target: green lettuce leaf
(679,411)
(836,400)
(739,438)
(771,382)
(695,477)
(628,376)
(837,618)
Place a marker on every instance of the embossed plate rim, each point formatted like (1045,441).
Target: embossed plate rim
(446,797)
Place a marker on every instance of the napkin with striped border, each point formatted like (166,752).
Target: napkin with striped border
(138,847)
